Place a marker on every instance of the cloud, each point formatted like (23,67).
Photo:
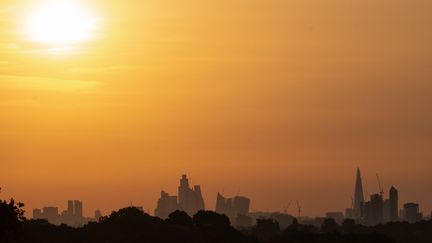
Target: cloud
(48,84)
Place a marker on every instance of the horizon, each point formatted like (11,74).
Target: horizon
(109,102)
(291,210)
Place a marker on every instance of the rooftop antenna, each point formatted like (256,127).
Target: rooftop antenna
(379,185)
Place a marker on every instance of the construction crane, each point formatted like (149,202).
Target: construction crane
(379,185)
(287,207)
(298,208)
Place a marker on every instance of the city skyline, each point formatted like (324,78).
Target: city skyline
(191,201)
(107,101)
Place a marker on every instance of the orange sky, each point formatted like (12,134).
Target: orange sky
(280,99)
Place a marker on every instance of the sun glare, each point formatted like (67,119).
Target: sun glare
(60,23)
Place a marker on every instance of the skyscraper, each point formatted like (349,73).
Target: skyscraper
(373,210)
(70,210)
(221,205)
(393,204)
(190,200)
(166,204)
(241,205)
(358,196)
(232,207)
(78,210)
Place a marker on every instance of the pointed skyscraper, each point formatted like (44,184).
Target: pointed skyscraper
(358,196)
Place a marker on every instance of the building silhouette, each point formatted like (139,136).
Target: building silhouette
(189,200)
(166,204)
(374,210)
(411,213)
(358,197)
(70,209)
(233,207)
(393,204)
(72,216)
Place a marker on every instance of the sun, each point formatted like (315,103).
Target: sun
(60,23)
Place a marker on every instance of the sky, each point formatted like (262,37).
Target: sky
(277,100)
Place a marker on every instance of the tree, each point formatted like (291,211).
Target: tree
(179,218)
(11,215)
(211,219)
(329,226)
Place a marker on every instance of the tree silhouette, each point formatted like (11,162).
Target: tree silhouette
(329,225)
(179,218)
(11,215)
(211,219)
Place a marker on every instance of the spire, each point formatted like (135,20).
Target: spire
(358,195)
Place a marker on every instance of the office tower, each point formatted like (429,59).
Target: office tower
(373,210)
(166,204)
(78,211)
(70,210)
(221,204)
(234,208)
(190,200)
(393,204)
(386,211)
(241,205)
(51,214)
(37,214)
(411,213)
(358,196)
(198,198)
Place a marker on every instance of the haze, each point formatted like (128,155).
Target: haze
(280,100)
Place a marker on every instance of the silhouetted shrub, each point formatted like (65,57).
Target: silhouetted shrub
(329,225)
(11,215)
(179,218)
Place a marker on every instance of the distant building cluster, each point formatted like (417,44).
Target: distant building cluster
(72,216)
(189,200)
(237,209)
(378,210)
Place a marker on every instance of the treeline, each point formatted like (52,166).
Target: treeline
(130,225)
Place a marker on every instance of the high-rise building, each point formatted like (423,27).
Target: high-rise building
(373,210)
(358,196)
(241,205)
(70,209)
(78,212)
(386,211)
(166,204)
(232,207)
(51,214)
(221,204)
(189,200)
(393,204)
(411,213)
(37,214)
